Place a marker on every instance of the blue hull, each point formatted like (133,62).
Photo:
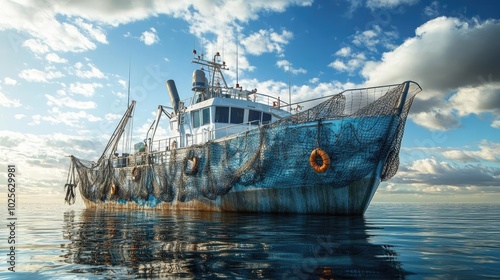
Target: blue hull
(261,170)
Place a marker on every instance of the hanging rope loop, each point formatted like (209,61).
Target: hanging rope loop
(70,184)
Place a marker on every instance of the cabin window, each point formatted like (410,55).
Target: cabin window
(222,114)
(195,116)
(206,116)
(266,118)
(254,117)
(237,115)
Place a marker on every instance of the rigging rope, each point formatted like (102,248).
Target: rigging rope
(70,184)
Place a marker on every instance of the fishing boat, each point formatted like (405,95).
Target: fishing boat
(236,150)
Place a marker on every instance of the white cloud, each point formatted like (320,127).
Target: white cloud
(61,92)
(357,60)
(85,89)
(488,151)
(353,62)
(123,83)
(368,41)
(19,116)
(64,37)
(432,10)
(368,38)
(443,45)
(338,65)
(435,58)
(287,67)
(449,170)
(69,102)
(46,25)
(53,57)
(150,37)
(93,71)
(265,41)
(35,119)
(8,102)
(477,100)
(432,174)
(372,39)
(95,32)
(375,4)
(345,51)
(62,26)
(9,81)
(299,93)
(36,46)
(120,95)
(35,75)
(436,119)
(314,80)
(203,21)
(44,158)
(70,118)
(112,117)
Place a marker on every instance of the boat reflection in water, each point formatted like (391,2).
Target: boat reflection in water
(146,244)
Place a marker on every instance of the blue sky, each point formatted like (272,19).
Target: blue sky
(65,65)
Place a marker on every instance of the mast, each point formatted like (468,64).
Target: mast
(128,136)
(128,89)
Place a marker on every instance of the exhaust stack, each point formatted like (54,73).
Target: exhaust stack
(174,96)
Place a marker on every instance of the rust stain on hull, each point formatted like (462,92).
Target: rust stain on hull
(305,200)
(349,200)
(196,205)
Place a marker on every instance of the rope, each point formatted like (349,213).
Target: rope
(70,184)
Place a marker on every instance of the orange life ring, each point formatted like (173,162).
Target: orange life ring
(325,160)
(136,174)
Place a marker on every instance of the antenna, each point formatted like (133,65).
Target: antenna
(223,43)
(128,136)
(237,44)
(128,90)
(289,91)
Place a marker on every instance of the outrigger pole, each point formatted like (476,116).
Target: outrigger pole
(117,134)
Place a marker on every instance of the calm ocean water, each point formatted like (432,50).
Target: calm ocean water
(392,241)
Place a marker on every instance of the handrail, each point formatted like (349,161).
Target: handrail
(354,89)
(154,155)
(245,95)
(211,132)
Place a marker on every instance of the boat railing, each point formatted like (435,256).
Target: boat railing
(233,93)
(158,151)
(255,96)
(221,132)
(201,137)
